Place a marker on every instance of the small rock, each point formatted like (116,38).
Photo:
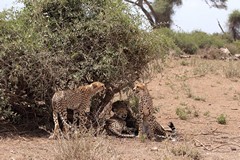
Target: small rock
(233,148)
(154,149)
(237,55)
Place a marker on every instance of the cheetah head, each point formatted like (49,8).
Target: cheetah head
(121,112)
(139,87)
(97,87)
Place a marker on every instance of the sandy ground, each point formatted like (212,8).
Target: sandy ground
(205,88)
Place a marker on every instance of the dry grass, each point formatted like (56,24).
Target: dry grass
(202,68)
(186,151)
(232,70)
(228,69)
(84,146)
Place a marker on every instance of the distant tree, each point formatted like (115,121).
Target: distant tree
(164,11)
(221,4)
(159,12)
(234,24)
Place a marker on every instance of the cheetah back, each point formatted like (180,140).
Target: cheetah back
(78,99)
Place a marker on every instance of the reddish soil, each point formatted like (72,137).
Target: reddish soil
(201,86)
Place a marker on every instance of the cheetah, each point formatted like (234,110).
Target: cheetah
(116,125)
(131,120)
(146,120)
(78,100)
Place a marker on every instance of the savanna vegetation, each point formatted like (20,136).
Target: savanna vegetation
(53,45)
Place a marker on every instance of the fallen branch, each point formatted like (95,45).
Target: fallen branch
(201,145)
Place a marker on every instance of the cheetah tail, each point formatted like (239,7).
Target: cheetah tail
(120,135)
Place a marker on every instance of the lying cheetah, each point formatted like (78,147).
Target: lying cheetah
(78,100)
(131,120)
(146,120)
(116,125)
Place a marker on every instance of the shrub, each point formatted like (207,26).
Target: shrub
(234,47)
(186,43)
(54,45)
(237,44)
(202,39)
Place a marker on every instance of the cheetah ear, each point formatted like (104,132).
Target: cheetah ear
(91,86)
(114,109)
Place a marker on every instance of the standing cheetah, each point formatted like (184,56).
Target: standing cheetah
(146,120)
(78,100)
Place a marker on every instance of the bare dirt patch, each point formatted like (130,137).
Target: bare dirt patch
(203,88)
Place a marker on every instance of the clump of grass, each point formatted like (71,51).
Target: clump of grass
(196,113)
(184,63)
(232,70)
(183,113)
(185,151)
(221,119)
(187,89)
(207,113)
(143,137)
(197,98)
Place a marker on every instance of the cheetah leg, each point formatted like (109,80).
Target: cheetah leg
(82,120)
(56,126)
(75,119)
(77,116)
(66,126)
(151,134)
(141,127)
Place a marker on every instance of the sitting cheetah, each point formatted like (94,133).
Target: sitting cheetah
(146,120)
(116,125)
(78,100)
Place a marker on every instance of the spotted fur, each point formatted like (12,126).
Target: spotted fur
(116,125)
(78,100)
(146,120)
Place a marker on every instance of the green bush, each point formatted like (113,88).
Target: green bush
(165,38)
(237,43)
(54,45)
(234,47)
(202,39)
(221,119)
(191,42)
(186,43)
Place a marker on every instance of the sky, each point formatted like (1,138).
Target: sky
(197,15)
(192,15)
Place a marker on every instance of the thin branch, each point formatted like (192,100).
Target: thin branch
(139,3)
(151,9)
(220,27)
(131,2)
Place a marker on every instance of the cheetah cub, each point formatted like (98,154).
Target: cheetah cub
(116,125)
